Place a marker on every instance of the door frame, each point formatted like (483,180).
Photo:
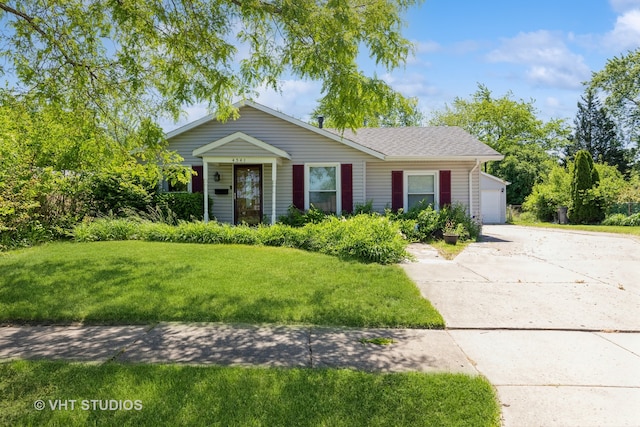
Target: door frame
(235,187)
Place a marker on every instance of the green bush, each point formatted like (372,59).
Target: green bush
(185,206)
(623,220)
(364,237)
(297,218)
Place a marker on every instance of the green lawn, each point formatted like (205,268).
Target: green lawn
(225,396)
(144,282)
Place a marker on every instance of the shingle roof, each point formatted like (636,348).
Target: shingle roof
(421,142)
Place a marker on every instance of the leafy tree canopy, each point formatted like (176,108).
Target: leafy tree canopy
(620,82)
(396,111)
(502,122)
(596,133)
(512,128)
(127,61)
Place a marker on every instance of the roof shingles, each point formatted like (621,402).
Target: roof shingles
(420,142)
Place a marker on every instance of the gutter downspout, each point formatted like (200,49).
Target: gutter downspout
(471,188)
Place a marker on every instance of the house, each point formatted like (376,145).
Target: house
(254,168)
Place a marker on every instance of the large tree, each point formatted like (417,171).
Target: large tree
(397,111)
(620,83)
(596,133)
(512,128)
(586,206)
(125,61)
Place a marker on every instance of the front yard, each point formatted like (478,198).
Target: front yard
(146,282)
(128,282)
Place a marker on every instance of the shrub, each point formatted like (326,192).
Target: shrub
(367,238)
(586,205)
(623,220)
(185,206)
(297,218)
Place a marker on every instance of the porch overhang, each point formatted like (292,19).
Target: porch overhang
(250,150)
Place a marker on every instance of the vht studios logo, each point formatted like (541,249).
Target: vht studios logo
(88,405)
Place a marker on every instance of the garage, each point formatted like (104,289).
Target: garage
(493,199)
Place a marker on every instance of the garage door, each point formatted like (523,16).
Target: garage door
(491,209)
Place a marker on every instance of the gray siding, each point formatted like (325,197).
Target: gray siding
(302,145)
(378,188)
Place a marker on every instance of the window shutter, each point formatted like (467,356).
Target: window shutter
(298,187)
(445,188)
(197,181)
(397,195)
(346,176)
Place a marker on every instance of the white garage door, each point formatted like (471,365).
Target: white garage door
(491,208)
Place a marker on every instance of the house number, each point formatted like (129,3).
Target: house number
(239,160)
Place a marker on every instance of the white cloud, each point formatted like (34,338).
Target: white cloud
(428,46)
(547,59)
(626,32)
(622,6)
(411,85)
(296,98)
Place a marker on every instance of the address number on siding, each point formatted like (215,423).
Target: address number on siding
(239,160)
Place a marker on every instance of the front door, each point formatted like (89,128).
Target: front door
(248,194)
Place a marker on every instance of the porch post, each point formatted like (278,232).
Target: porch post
(274,173)
(205,179)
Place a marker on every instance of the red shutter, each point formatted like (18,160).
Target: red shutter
(346,175)
(197,181)
(397,196)
(445,188)
(298,186)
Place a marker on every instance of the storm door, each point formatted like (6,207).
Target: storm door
(247,194)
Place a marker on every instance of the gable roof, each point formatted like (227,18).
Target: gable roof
(242,137)
(423,143)
(400,144)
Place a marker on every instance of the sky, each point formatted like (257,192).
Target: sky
(539,50)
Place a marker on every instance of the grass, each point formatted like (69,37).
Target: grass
(229,396)
(133,282)
(616,229)
(448,251)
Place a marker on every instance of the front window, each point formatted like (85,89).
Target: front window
(323,187)
(421,189)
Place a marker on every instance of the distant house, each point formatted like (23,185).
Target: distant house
(254,168)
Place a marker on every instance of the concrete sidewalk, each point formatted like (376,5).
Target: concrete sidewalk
(244,345)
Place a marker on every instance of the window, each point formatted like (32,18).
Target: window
(323,187)
(420,187)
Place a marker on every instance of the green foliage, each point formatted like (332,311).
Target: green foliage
(122,189)
(550,194)
(118,62)
(512,128)
(620,83)
(425,223)
(623,220)
(586,200)
(185,206)
(364,237)
(396,111)
(596,133)
(297,218)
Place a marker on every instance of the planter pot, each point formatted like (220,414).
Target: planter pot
(451,239)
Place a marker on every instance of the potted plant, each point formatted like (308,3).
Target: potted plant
(450,233)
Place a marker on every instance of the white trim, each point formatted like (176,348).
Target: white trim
(436,187)
(243,137)
(241,160)
(495,178)
(205,188)
(338,184)
(209,118)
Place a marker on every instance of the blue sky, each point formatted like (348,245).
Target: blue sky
(537,49)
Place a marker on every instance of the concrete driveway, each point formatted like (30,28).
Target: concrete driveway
(550,317)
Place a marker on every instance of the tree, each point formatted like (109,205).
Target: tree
(127,61)
(513,129)
(596,133)
(397,112)
(585,204)
(620,82)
